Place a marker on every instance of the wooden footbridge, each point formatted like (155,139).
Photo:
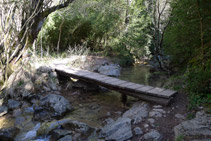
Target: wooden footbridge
(152,94)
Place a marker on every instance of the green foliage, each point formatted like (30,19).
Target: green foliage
(83,21)
(137,38)
(187,41)
(180,138)
(182,39)
(198,86)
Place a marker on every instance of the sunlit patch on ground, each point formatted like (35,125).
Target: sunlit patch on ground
(6,122)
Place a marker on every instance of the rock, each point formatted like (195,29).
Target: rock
(28,110)
(179,116)
(77,137)
(66,138)
(20,85)
(53,74)
(17,113)
(119,130)
(94,106)
(44,69)
(109,121)
(146,125)
(42,114)
(157,106)
(151,121)
(79,127)
(8,134)
(108,114)
(118,113)
(1,76)
(138,131)
(25,104)
(46,80)
(1,101)
(24,122)
(28,135)
(13,104)
(160,110)
(3,110)
(67,124)
(137,112)
(153,135)
(110,70)
(58,103)
(80,105)
(53,85)
(59,133)
(47,89)
(200,126)
(19,121)
(155,114)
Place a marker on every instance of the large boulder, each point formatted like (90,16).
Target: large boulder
(139,111)
(119,130)
(57,103)
(110,70)
(200,126)
(46,80)
(20,85)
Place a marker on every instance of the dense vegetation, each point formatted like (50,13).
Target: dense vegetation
(172,35)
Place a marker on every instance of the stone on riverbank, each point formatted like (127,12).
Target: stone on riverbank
(200,126)
(139,111)
(118,130)
(57,103)
(153,135)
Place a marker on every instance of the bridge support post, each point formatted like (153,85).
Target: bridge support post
(124,99)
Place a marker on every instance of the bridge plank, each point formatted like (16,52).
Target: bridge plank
(126,84)
(91,76)
(169,93)
(118,83)
(135,86)
(110,80)
(144,89)
(101,79)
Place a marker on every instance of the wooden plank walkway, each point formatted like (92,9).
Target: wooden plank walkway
(144,92)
